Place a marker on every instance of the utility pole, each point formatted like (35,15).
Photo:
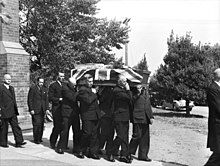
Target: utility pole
(126,45)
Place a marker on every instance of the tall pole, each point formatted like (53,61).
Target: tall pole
(126,54)
(126,45)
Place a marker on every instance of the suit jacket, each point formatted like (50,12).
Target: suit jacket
(89,108)
(8,103)
(38,99)
(122,101)
(69,104)
(105,97)
(213,100)
(55,92)
(142,112)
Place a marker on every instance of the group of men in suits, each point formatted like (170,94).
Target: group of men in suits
(103,112)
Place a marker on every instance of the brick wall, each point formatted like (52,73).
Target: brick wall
(10,32)
(14,60)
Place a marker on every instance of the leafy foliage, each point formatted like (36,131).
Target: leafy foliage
(187,70)
(142,65)
(60,33)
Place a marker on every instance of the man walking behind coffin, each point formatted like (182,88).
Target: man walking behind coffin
(70,115)
(122,101)
(90,116)
(213,100)
(38,105)
(142,117)
(55,96)
(9,112)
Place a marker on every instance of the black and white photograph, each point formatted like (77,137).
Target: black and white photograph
(109,82)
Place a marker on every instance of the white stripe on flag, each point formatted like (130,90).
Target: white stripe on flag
(96,74)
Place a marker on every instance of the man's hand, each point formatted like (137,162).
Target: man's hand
(32,112)
(47,111)
(127,86)
(60,99)
(151,121)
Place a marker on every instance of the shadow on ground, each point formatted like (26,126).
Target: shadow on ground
(171,164)
(177,114)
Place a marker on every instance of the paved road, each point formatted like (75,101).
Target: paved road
(35,155)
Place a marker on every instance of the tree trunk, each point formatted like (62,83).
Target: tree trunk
(187,108)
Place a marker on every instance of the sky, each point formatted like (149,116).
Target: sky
(153,20)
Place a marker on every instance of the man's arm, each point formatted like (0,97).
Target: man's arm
(51,94)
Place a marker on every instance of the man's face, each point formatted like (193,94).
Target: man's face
(41,82)
(90,82)
(61,77)
(7,79)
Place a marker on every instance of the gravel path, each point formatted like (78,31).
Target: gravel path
(178,139)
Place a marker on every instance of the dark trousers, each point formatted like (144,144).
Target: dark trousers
(214,159)
(13,121)
(141,138)
(90,136)
(122,129)
(106,134)
(38,126)
(57,125)
(64,136)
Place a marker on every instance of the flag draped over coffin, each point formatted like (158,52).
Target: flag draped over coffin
(108,76)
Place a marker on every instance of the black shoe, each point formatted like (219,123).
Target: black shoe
(80,155)
(145,159)
(19,145)
(94,156)
(111,158)
(60,151)
(37,142)
(124,159)
(4,146)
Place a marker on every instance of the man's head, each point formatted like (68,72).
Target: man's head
(122,80)
(61,76)
(217,74)
(40,81)
(7,79)
(88,80)
(139,88)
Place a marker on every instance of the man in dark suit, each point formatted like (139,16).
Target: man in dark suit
(9,112)
(142,116)
(213,100)
(122,101)
(70,115)
(90,115)
(55,96)
(38,105)
(105,96)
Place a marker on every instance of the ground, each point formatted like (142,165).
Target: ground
(178,139)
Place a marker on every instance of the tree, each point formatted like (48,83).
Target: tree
(186,70)
(142,65)
(60,33)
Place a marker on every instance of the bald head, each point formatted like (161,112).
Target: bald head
(122,80)
(217,74)
(7,79)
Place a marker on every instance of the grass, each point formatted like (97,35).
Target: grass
(195,122)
